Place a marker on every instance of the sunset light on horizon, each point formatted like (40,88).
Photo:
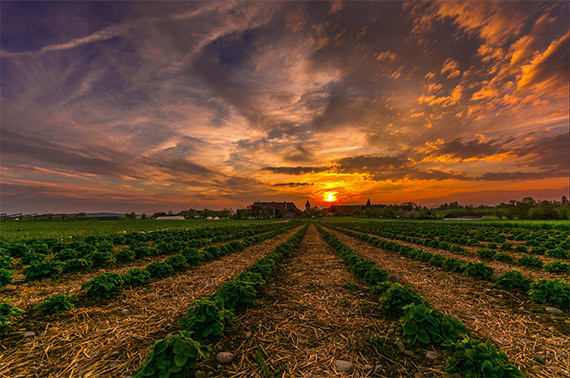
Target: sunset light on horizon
(146,106)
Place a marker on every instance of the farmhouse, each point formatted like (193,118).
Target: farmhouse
(274,210)
(171,217)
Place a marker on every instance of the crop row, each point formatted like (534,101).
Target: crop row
(107,285)
(205,319)
(452,237)
(486,253)
(424,324)
(554,292)
(87,258)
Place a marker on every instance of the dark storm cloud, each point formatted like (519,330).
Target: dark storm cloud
(459,148)
(293,184)
(548,152)
(296,170)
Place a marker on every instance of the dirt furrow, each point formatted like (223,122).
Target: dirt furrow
(306,318)
(106,340)
(524,335)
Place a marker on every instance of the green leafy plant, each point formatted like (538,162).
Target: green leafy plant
(514,280)
(479,270)
(559,253)
(397,297)
(530,261)
(240,291)
(17,250)
(176,355)
(66,254)
(5,277)
(550,291)
(206,318)
(125,255)
(100,259)
(453,265)
(426,325)
(6,261)
(76,265)
(350,285)
(57,303)
(557,267)
(473,358)
(7,311)
(159,269)
(177,262)
(192,255)
(104,285)
(43,269)
(31,257)
(136,277)
(486,253)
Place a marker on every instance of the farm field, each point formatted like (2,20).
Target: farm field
(330,297)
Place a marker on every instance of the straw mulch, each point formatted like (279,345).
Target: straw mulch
(500,267)
(515,325)
(306,319)
(101,340)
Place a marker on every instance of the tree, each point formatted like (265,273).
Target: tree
(225,213)
(368,203)
(144,217)
(536,213)
(564,201)
(131,215)
(356,213)
(206,213)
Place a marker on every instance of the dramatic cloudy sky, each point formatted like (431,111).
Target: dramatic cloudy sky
(150,106)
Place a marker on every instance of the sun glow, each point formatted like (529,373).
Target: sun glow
(330,196)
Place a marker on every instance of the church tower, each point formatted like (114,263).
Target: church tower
(307,206)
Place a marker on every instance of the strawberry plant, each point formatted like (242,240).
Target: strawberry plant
(7,311)
(486,253)
(100,259)
(159,269)
(5,277)
(125,255)
(473,358)
(453,265)
(206,318)
(375,275)
(31,257)
(530,261)
(76,265)
(426,325)
(66,254)
(550,291)
(557,267)
(398,296)
(478,270)
(177,262)
(176,355)
(141,251)
(43,269)
(437,260)
(559,253)
(238,292)
(17,250)
(6,261)
(192,255)
(57,303)
(514,280)
(136,277)
(521,248)
(104,285)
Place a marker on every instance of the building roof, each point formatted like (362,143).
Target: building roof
(171,217)
(281,206)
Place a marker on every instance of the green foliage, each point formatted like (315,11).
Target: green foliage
(125,255)
(239,291)
(192,255)
(437,260)
(398,296)
(473,358)
(5,277)
(136,277)
(7,311)
(6,262)
(141,251)
(375,275)
(530,261)
(521,248)
(17,250)
(506,247)
(381,288)
(426,325)
(43,269)
(76,265)
(66,254)
(31,257)
(557,267)
(554,292)
(514,280)
(350,285)
(177,262)
(100,259)
(504,257)
(176,356)
(479,270)
(57,303)
(453,265)
(559,253)
(159,269)
(206,318)
(486,253)
(104,285)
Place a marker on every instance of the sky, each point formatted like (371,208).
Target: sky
(157,106)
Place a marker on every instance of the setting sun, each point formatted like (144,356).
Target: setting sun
(330,196)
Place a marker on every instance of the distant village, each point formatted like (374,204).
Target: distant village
(527,208)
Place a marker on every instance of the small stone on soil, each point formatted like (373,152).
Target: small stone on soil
(224,357)
(554,311)
(125,312)
(343,366)
(392,278)
(29,334)
(368,367)
(431,355)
